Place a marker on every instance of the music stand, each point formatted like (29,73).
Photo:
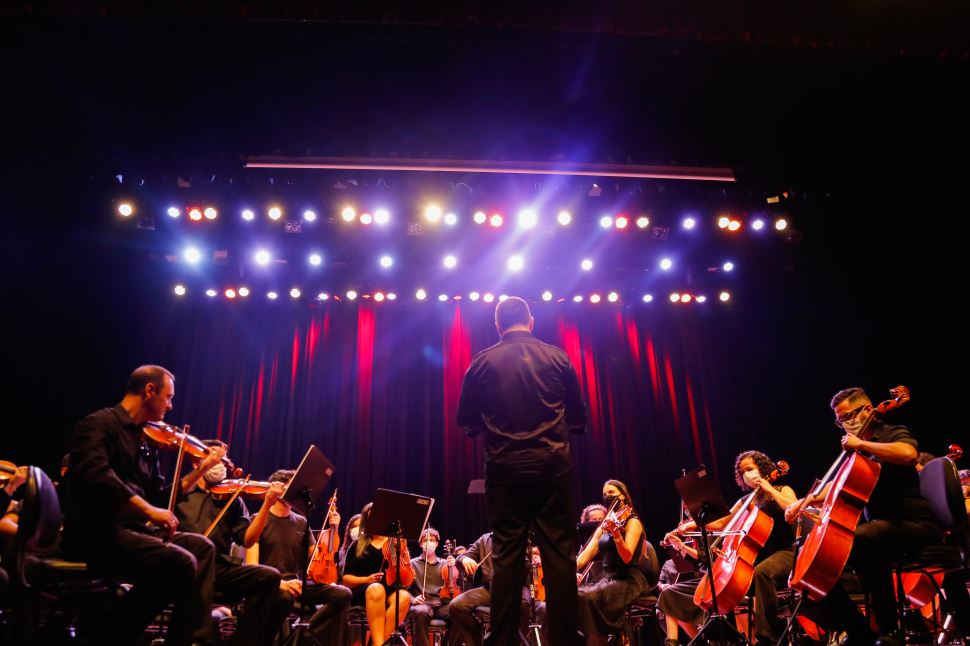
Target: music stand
(700,493)
(402,516)
(307,484)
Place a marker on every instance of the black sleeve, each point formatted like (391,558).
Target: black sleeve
(90,466)
(901,434)
(575,415)
(469,407)
(240,522)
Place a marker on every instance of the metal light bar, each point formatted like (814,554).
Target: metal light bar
(696,173)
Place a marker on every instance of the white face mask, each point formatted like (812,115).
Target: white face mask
(216,474)
(429,547)
(853,427)
(750,477)
(354,533)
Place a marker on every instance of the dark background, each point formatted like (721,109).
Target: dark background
(859,113)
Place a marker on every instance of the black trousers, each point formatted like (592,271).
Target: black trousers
(264,605)
(179,571)
(464,626)
(542,503)
(421,616)
(329,621)
(768,575)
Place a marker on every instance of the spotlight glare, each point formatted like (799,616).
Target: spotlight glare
(622,222)
(666,264)
(210,213)
(316,259)
(348,214)
(474,296)
(230,293)
(272,296)
(689,223)
(244,291)
(263,257)
(125,209)
(735,225)
(443,297)
(527,219)
(701,299)
(564,218)
(173,212)
(686,298)
(577,298)
(612,297)
(781,224)
(211,293)
(351,295)
(179,290)
(451,219)
(310,216)
(275,213)
(595,298)
(648,298)
(323,296)
(386,261)
(675,298)
(392,296)
(725,297)
(503,297)
(488,298)
(606,222)
(450,262)
(728,266)
(195,214)
(295,292)
(758,225)
(496,220)
(643,222)
(723,222)
(420,294)
(432,213)
(515,263)
(382,216)
(547,296)
(379,297)
(479,217)
(366,218)
(192,255)
(586,265)
(248,215)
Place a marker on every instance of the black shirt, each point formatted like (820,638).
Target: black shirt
(198,509)
(897,495)
(782,536)
(481,552)
(281,544)
(524,396)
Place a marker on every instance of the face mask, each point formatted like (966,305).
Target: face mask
(429,548)
(853,427)
(609,500)
(354,533)
(216,474)
(750,476)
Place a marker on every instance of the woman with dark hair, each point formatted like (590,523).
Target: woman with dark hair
(351,532)
(752,470)
(602,605)
(363,575)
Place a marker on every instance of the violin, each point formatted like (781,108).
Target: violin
(391,556)
(166,436)
(323,566)
(615,519)
(538,584)
(449,576)
(239,486)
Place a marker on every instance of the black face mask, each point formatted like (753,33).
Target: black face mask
(609,500)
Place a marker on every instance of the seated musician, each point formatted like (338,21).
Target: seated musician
(351,533)
(9,511)
(775,558)
(676,600)
(965,485)
(112,488)
(282,545)
(427,586)
(364,575)
(602,605)
(256,586)
(592,515)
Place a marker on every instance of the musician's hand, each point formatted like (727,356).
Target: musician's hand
(376,577)
(851,442)
(469,565)
(791,511)
(19,477)
(163,518)
(764,485)
(579,578)
(292,587)
(215,455)
(450,561)
(335,518)
(674,541)
(687,526)
(274,493)
(418,600)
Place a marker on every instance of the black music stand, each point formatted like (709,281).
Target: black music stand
(699,491)
(307,484)
(402,516)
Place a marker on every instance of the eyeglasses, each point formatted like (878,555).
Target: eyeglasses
(849,416)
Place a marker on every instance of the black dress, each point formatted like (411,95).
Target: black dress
(371,561)
(602,605)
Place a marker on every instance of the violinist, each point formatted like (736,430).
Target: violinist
(112,488)
(592,516)
(619,539)
(282,545)
(9,516)
(364,575)
(265,605)
(351,533)
(899,518)
(427,585)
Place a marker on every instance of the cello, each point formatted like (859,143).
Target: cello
(733,568)
(323,566)
(850,482)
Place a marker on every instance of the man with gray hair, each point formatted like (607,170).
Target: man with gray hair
(523,397)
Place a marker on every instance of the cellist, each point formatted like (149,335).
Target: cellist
(897,517)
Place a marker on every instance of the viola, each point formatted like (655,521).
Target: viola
(850,480)
(323,566)
(391,557)
(733,568)
(239,487)
(449,576)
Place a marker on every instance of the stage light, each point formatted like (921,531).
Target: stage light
(725,297)
(474,296)
(728,266)
(675,298)
(606,222)
(612,297)
(527,219)
(248,215)
(230,293)
(564,218)
(420,294)
(210,213)
(432,213)
(382,216)
(723,222)
(351,295)
(295,292)
(179,290)
(735,225)
(195,214)
(310,216)
(622,222)
(275,213)
(263,257)
(244,291)
(450,262)
(386,261)
(173,212)
(323,296)
(648,298)
(125,209)
(686,298)
(586,265)
(781,224)
(594,298)
(443,297)
(379,297)
(349,214)
(503,297)
(577,298)
(479,217)
(272,296)
(516,263)
(701,299)
(366,218)
(547,296)
(758,225)
(392,296)
(689,223)
(643,222)
(488,298)
(666,264)
(451,219)
(211,293)
(192,255)
(496,220)
(316,259)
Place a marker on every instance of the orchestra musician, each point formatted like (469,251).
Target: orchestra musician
(427,585)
